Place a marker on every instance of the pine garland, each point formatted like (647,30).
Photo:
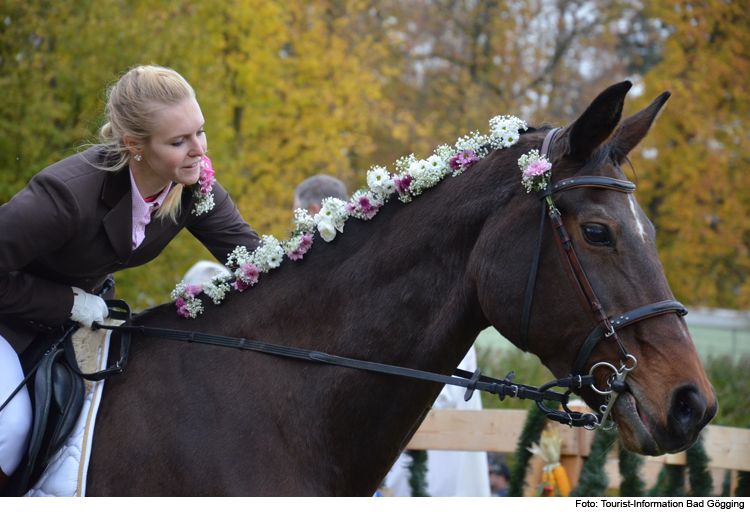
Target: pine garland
(701,482)
(418,473)
(673,484)
(743,485)
(593,480)
(532,430)
(632,485)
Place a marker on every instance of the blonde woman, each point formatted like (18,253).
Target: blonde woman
(114,206)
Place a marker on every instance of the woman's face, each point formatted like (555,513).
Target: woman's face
(176,147)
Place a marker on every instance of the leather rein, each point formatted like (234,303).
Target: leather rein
(606,327)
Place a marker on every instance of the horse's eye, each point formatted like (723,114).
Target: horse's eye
(596,234)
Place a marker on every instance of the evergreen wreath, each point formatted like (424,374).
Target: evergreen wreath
(632,485)
(532,430)
(418,473)
(593,481)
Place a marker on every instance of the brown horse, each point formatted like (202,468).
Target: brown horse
(413,287)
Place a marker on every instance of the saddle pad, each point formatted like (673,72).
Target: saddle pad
(67,471)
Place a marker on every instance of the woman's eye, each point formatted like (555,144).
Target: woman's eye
(177,144)
(596,234)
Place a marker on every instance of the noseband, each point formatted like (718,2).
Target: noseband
(606,327)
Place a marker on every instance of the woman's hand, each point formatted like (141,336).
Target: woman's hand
(88,308)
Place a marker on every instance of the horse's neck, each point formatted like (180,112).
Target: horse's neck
(394,290)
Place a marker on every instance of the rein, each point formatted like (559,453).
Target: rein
(468,380)
(605,326)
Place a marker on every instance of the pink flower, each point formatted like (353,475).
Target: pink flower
(350,208)
(240,285)
(192,290)
(536,168)
(207,179)
(250,272)
(402,184)
(466,158)
(295,254)
(182,308)
(453,163)
(306,242)
(364,204)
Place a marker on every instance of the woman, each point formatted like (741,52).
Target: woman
(115,206)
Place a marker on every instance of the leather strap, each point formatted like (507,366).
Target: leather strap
(619,321)
(465,379)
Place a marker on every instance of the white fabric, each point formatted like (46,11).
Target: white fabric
(88,308)
(68,469)
(449,472)
(15,419)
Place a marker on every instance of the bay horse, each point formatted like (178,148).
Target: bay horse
(412,287)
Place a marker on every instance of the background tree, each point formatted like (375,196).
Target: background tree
(694,165)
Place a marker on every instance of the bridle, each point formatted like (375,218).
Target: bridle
(606,327)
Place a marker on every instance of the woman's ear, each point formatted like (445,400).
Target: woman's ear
(134,146)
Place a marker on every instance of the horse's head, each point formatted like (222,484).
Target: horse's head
(666,399)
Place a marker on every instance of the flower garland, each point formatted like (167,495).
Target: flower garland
(411,178)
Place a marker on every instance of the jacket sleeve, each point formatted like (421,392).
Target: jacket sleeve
(36,221)
(222,229)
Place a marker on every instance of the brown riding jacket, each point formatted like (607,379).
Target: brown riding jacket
(72,226)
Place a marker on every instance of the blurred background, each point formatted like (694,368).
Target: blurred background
(294,88)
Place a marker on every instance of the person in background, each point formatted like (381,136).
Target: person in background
(499,477)
(203,271)
(310,192)
(449,472)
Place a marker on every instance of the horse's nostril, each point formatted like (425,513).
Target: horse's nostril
(688,408)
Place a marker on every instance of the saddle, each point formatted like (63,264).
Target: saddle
(57,394)
(57,391)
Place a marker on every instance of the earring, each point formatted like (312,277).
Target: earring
(138,158)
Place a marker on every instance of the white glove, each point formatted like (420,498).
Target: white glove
(88,308)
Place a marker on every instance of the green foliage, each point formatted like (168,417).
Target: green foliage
(728,375)
(593,481)
(743,485)
(519,462)
(670,483)
(529,371)
(418,473)
(701,482)
(631,485)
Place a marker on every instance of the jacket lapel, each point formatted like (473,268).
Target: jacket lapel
(118,223)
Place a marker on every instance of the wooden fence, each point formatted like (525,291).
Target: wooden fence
(499,430)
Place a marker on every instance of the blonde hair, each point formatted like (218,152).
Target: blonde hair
(132,105)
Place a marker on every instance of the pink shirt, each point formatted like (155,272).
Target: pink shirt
(142,210)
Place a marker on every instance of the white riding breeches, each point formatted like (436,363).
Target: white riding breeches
(15,419)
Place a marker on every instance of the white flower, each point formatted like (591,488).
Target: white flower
(417,168)
(303,221)
(327,230)
(203,203)
(333,210)
(436,164)
(505,130)
(380,182)
(217,288)
(269,255)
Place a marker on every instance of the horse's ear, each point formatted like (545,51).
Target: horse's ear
(598,122)
(635,127)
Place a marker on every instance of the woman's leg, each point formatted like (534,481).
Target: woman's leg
(15,419)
